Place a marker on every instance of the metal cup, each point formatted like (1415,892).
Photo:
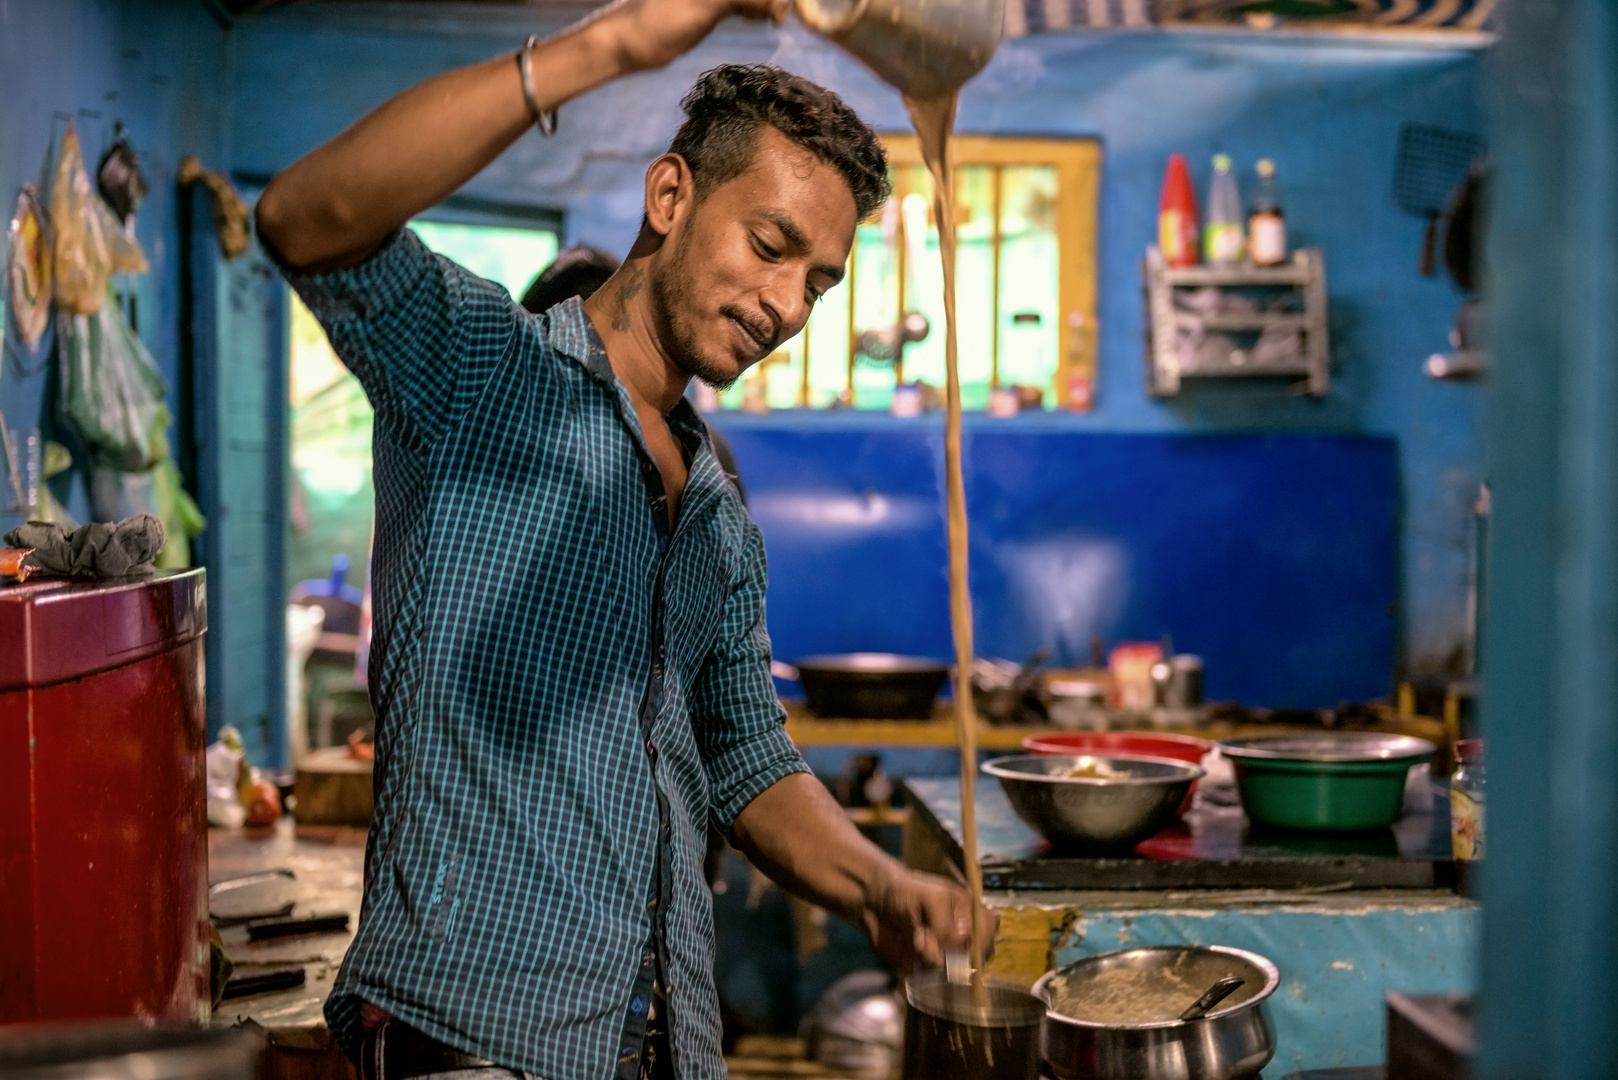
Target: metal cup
(926,48)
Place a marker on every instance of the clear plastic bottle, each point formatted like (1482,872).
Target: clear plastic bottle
(1466,804)
(1266,226)
(1224,239)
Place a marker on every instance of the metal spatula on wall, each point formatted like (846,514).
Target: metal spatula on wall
(1431,163)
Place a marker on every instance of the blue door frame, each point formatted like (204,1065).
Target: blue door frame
(239,401)
(1550,703)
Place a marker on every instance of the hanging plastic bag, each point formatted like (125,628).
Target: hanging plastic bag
(83,263)
(119,178)
(182,518)
(116,494)
(111,391)
(28,267)
(58,459)
(124,252)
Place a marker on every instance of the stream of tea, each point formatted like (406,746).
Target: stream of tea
(934,119)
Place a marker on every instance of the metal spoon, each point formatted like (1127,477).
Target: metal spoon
(1216,993)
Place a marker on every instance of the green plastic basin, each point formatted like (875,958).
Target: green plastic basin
(1336,796)
(1328,782)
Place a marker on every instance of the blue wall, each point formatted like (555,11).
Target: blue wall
(157,65)
(1327,111)
(1222,541)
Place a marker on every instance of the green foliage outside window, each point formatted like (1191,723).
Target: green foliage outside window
(332,497)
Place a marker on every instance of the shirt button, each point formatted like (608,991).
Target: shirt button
(638,1006)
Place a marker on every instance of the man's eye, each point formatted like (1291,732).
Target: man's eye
(765,249)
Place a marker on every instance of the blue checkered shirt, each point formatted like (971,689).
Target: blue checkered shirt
(565,688)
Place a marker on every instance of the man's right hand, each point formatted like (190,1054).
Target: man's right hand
(651,33)
(335,206)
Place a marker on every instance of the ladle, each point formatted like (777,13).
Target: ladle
(1216,993)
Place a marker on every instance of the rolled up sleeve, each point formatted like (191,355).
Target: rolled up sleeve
(421,333)
(738,719)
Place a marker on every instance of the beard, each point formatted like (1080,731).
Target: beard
(671,295)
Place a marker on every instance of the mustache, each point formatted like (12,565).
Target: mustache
(762,330)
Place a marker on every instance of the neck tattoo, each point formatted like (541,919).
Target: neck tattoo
(627,292)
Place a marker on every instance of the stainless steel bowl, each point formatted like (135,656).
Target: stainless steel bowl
(1234,1041)
(1088,812)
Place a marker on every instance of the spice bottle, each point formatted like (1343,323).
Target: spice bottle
(1466,801)
(1266,227)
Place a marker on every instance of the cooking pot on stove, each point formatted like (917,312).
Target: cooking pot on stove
(869,686)
(1233,1041)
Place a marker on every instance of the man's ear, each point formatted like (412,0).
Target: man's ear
(670,190)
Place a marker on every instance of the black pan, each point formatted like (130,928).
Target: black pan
(871,686)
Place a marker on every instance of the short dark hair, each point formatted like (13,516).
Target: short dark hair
(578,271)
(729,104)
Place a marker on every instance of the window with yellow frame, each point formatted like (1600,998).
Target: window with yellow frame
(1026,283)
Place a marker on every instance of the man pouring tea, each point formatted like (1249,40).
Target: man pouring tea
(570,666)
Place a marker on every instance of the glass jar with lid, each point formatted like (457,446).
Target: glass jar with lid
(1466,801)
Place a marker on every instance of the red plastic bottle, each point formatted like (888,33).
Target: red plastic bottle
(1179,226)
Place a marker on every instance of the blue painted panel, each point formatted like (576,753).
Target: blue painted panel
(854,531)
(1271,556)
(1336,960)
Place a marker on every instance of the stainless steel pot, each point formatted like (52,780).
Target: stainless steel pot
(1232,1042)
(950,1035)
(855,1026)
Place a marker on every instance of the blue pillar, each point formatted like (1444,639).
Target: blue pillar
(1551,686)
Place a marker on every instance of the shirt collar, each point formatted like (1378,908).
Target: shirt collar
(573,335)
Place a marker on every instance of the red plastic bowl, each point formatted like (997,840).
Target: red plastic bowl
(1186,748)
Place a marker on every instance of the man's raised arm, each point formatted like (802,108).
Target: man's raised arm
(335,206)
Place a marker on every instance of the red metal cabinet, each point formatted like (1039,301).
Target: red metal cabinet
(103,828)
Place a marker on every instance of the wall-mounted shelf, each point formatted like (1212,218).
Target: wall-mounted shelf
(1237,322)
